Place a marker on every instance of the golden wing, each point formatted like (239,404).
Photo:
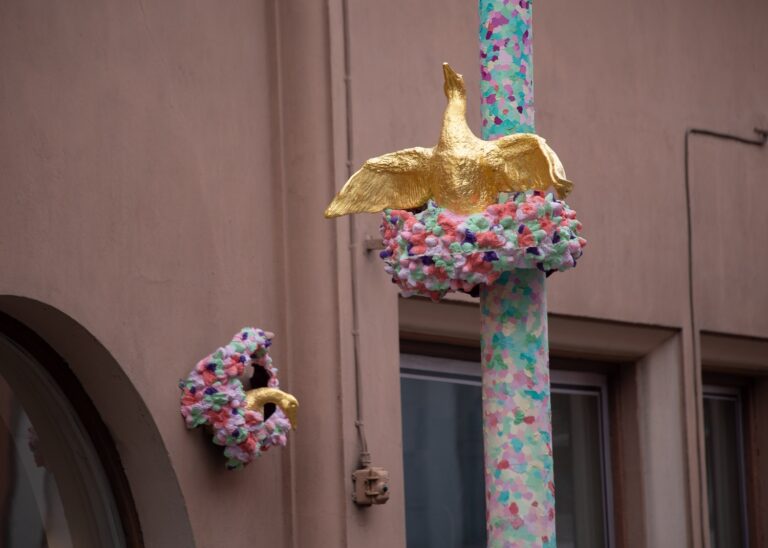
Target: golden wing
(397,180)
(525,161)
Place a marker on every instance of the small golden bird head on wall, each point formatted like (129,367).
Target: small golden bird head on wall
(257,398)
(290,406)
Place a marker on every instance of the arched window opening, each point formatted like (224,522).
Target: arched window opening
(61,483)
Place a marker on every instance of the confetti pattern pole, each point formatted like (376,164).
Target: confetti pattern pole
(506,83)
(519,475)
(446,227)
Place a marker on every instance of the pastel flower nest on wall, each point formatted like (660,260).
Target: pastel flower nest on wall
(435,251)
(213,397)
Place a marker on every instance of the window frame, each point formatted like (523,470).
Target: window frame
(740,362)
(562,381)
(735,394)
(59,375)
(634,357)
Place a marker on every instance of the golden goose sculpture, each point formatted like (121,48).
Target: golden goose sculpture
(462,173)
(256,399)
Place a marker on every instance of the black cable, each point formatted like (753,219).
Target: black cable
(760,141)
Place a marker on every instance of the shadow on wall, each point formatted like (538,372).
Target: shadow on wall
(156,494)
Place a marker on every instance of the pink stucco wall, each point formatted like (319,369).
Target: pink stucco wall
(164,167)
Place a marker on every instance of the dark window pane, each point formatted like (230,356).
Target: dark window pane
(31,512)
(443,459)
(722,427)
(579,481)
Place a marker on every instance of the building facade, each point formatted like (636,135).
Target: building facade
(164,167)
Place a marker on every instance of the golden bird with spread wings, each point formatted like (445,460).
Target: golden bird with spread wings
(462,173)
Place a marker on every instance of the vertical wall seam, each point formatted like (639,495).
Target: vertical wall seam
(339,377)
(281,199)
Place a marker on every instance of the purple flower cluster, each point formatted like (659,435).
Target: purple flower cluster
(435,251)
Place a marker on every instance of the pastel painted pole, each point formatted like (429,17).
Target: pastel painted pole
(506,67)
(474,214)
(519,473)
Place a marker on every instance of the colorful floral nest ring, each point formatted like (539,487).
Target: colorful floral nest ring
(212,396)
(435,251)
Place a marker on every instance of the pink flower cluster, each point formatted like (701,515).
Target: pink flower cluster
(435,251)
(213,396)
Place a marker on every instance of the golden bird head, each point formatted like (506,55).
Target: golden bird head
(290,406)
(454,83)
(256,398)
